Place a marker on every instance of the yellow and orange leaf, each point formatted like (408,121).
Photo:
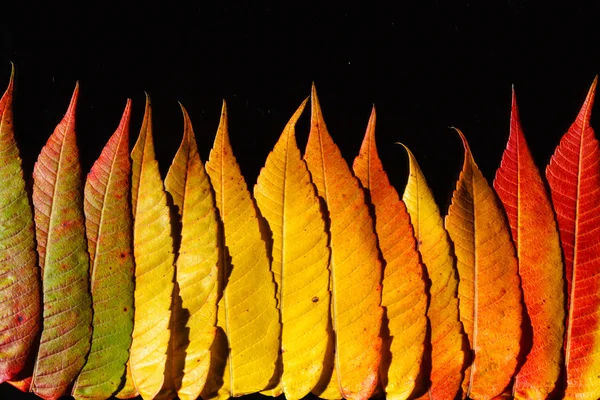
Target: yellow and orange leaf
(447,354)
(300,258)
(64,261)
(574,178)
(196,264)
(20,306)
(403,295)
(355,266)
(488,289)
(247,309)
(534,232)
(154,270)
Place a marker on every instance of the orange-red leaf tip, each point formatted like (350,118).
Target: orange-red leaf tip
(464,141)
(586,110)
(12,76)
(73,104)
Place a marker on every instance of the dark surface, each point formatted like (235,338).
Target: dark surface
(425,65)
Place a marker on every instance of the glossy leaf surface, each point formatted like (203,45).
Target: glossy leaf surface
(534,232)
(574,178)
(109,233)
(403,294)
(64,261)
(355,265)
(247,310)
(154,270)
(20,304)
(288,201)
(489,291)
(447,355)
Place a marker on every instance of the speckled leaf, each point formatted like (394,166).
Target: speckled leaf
(20,305)
(109,234)
(64,260)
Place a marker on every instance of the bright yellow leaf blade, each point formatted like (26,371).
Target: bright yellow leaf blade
(355,265)
(154,270)
(447,355)
(489,287)
(247,312)
(197,274)
(300,258)
(403,295)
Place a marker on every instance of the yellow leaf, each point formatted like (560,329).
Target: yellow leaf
(247,310)
(196,264)
(355,265)
(447,355)
(288,201)
(154,270)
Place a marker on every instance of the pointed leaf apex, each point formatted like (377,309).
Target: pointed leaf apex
(73,104)
(126,116)
(586,109)
(12,77)
(464,142)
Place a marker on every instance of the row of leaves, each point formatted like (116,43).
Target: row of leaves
(324,281)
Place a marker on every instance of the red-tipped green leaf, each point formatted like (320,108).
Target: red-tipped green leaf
(19,275)
(109,233)
(64,260)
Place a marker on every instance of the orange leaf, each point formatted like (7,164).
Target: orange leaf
(574,178)
(488,289)
(64,260)
(403,295)
(20,305)
(355,265)
(447,353)
(531,217)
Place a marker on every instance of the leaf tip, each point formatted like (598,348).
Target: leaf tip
(586,109)
(73,103)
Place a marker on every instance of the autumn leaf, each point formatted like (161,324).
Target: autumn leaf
(403,295)
(288,201)
(447,355)
(574,178)
(128,391)
(247,310)
(64,261)
(109,234)
(154,270)
(19,283)
(534,232)
(488,289)
(355,265)
(197,274)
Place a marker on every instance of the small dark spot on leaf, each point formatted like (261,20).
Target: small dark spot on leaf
(124,309)
(19,318)
(315,299)
(123,255)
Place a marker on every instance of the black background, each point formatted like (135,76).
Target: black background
(426,65)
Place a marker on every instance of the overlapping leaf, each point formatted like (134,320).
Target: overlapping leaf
(64,261)
(534,232)
(403,293)
(197,274)
(489,291)
(447,355)
(355,265)
(109,233)
(154,270)
(20,304)
(128,391)
(247,312)
(574,178)
(300,257)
